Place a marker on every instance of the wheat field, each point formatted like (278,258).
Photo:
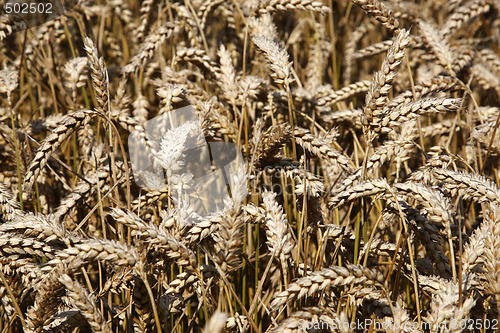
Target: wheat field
(368,199)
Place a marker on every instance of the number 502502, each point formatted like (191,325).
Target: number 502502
(28,8)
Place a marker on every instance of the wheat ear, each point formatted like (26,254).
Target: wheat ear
(468,185)
(9,207)
(382,80)
(99,74)
(63,131)
(85,303)
(326,278)
(270,6)
(378,10)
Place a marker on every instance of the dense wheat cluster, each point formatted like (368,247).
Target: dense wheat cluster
(370,137)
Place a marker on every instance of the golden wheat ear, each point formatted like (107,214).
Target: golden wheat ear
(99,74)
(317,281)
(65,128)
